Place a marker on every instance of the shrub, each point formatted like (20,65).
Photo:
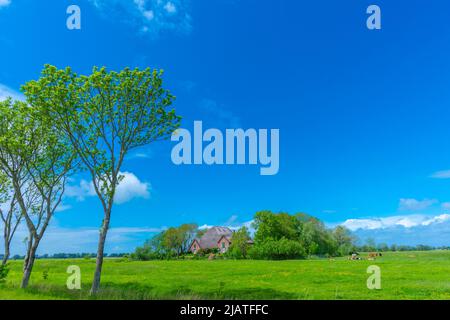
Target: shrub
(235,252)
(4,270)
(277,250)
(206,252)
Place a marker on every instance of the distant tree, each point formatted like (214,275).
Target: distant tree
(281,249)
(178,239)
(269,225)
(309,232)
(104,116)
(239,244)
(383,247)
(344,240)
(188,233)
(172,242)
(370,245)
(316,239)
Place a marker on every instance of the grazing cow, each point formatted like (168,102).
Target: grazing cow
(374,255)
(354,256)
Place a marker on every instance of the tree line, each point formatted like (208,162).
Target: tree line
(277,236)
(71,123)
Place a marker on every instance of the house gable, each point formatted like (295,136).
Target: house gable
(210,239)
(195,246)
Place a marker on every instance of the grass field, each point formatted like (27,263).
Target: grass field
(405,275)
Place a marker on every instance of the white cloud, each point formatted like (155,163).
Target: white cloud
(407,221)
(170,7)
(63,207)
(128,189)
(131,187)
(437,219)
(445,205)
(4,3)
(151,16)
(6,92)
(232,224)
(441,174)
(81,191)
(148,14)
(415,205)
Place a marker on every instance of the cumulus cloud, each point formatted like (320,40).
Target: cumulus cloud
(128,189)
(441,174)
(416,205)
(434,231)
(406,221)
(131,187)
(151,16)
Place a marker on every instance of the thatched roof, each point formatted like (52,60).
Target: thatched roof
(212,236)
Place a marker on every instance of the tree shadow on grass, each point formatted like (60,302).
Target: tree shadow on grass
(137,291)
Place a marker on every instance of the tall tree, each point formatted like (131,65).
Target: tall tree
(37,160)
(12,166)
(178,239)
(105,115)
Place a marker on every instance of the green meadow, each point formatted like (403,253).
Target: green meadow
(405,275)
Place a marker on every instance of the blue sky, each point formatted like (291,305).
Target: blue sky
(363,115)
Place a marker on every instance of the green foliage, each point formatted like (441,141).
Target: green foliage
(172,243)
(4,271)
(281,249)
(275,226)
(307,231)
(104,115)
(239,244)
(37,159)
(205,252)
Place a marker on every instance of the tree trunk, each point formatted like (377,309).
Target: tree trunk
(100,253)
(6,256)
(6,240)
(27,254)
(31,256)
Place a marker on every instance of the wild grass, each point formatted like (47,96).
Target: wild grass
(405,275)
